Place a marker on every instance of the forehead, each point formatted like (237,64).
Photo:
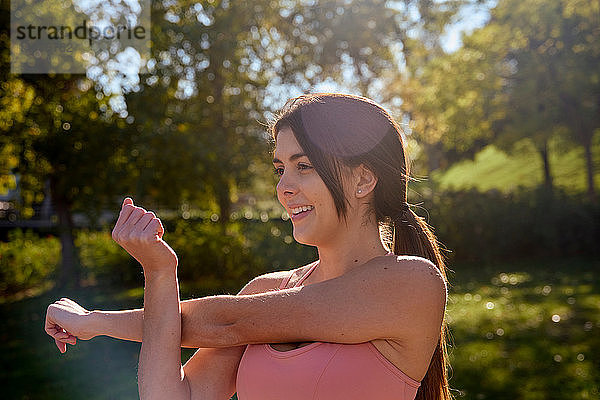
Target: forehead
(286,144)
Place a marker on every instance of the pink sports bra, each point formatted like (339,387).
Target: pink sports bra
(321,371)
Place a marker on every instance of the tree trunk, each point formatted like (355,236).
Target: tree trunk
(434,155)
(589,164)
(224,201)
(69,274)
(546,165)
(223,190)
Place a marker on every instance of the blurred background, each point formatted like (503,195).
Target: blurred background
(500,104)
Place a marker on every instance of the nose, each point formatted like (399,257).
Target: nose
(287,186)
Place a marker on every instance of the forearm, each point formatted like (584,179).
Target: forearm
(128,324)
(123,324)
(160,371)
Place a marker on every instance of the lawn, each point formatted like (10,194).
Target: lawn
(494,169)
(525,330)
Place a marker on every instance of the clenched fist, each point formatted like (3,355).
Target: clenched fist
(66,321)
(140,233)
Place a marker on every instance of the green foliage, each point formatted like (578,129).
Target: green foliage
(209,253)
(27,261)
(530,72)
(495,226)
(104,262)
(212,257)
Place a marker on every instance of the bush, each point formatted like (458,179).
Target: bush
(27,260)
(230,256)
(474,226)
(104,262)
(493,226)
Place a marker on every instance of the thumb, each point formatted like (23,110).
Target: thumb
(128,200)
(62,347)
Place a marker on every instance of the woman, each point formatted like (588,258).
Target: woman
(364,321)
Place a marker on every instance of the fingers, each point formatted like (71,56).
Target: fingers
(143,222)
(62,343)
(124,215)
(62,338)
(137,227)
(127,209)
(62,347)
(127,222)
(160,231)
(154,230)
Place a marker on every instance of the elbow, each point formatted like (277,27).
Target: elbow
(212,322)
(227,335)
(223,328)
(215,335)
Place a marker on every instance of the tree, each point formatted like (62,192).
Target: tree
(531,72)
(216,87)
(578,75)
(55,134)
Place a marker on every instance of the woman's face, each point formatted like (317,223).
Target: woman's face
(302,192)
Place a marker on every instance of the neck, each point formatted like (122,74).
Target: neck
(348,250)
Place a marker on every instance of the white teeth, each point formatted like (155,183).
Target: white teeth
(298,210)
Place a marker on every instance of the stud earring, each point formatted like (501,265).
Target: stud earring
(359,191)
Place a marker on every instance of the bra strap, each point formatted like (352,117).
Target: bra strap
(310,270)
(285,282)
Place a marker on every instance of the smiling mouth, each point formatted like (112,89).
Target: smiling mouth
(300,211)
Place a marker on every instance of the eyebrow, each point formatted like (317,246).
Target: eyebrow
(292,158)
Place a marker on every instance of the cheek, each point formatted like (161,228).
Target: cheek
(324,201)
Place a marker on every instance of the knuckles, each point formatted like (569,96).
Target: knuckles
(136,227)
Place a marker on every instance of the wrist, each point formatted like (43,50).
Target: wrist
(95,324)
(151,273)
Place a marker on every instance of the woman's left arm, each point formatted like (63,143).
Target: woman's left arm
(160,374)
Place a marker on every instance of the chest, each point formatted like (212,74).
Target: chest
(320,371)
(388,349)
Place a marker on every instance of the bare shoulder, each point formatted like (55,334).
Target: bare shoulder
(271,281)
(417,267)
(418,272)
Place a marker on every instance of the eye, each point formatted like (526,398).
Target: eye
(278,171)
(303,166)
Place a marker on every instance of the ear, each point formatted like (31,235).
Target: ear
(365,181)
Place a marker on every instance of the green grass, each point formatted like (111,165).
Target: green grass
(526,331)
(494,169)
(506,344)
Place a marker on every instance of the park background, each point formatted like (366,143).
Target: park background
(500,103)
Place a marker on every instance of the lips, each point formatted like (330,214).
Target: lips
(300,212)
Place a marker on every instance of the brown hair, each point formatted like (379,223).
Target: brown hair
(338,130)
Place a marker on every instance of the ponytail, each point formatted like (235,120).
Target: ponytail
(412,236)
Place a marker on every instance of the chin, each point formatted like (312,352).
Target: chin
(304,238)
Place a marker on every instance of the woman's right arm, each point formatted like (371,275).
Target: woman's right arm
(211,372)
(67,321)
